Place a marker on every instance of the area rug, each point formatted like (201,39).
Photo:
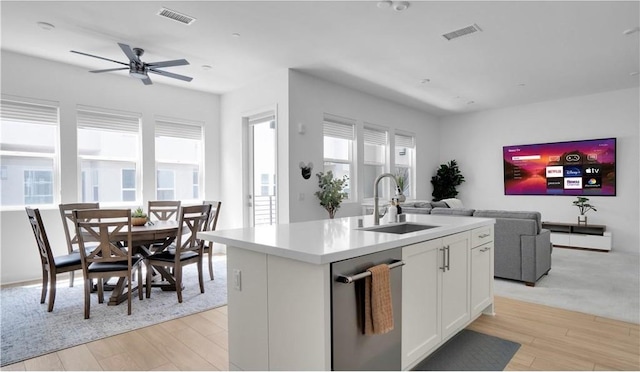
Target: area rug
(470,351)
(28,330)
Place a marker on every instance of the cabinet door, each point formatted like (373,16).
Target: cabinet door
(455,283)
(481,278)
(420,307)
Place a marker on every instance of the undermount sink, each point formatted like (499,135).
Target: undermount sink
(401,228)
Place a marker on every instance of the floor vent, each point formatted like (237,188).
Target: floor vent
(178,17)
(462,32)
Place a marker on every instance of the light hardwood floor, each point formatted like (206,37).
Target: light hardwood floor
(551,339)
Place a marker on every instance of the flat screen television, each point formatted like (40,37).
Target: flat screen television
(586,167)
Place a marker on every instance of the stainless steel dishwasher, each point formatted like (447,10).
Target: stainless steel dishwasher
(351,348)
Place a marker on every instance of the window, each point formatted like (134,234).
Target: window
(404,159)
(166,185)
(128,185)
(28,152)
(375,161)
(338,149)
(108,144)
(179,159)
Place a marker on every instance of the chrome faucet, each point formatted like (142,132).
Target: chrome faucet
(376,213)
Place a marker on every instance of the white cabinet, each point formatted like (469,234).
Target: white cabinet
(481,270)
(435,294)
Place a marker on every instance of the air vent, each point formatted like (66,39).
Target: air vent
(178,17)
(462,32)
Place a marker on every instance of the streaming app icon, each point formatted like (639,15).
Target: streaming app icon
(592,170)
(572,158)
(554,158)
(592,182)
(572,171)
(553,171)
(573,183)
(554,183)
(592,157)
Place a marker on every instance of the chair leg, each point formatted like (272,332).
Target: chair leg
(211,261)
(178,275)
(140,282)
(200,278)
(100,291)
(148,283)
(129,294)
(52,290)
(87,298)
(45,284)
(71,277)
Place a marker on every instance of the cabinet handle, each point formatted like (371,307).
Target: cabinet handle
(485,249)
(444,262)
(448,257)
(483,235)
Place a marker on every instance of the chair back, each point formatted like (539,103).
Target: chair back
(46,256)
(163,210)
(110,229)
(69,224)
(213,214)
(193,219)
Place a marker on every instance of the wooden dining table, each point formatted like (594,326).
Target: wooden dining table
(147,239)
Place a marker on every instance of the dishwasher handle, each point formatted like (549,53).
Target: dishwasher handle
(350,279)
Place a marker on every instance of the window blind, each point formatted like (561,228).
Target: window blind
(178,130)
(28,112)
(375,137)
(335,126)
(104,120)
(404,141)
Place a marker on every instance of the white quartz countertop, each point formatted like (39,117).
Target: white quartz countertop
(326,241)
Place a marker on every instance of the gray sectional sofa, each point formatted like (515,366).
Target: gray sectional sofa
(522,247)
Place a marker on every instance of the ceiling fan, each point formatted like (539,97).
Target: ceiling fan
(139,69)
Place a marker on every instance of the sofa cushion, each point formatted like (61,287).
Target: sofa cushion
(525,215)
(439,204)
(422,205)
(414,210)
(453,203)
(453,211)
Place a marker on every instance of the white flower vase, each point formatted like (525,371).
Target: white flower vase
(582,219)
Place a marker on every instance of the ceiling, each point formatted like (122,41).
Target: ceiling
(526,52)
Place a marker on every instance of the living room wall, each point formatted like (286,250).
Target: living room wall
(68,85)
(475,140)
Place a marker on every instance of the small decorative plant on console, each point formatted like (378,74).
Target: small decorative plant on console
(583,205)
(331,191)
(138,217)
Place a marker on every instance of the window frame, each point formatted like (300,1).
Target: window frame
(412,159)
(369,134)
(336,127)
(45,112)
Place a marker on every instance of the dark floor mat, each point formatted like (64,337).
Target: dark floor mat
(470,351)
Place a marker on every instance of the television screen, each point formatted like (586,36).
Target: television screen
(585,167)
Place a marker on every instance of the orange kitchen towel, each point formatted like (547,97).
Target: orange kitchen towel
(378,309)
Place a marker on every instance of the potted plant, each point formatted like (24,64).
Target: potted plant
(331,192)
(584,206)
(402,180)
(445,181)
(138,217)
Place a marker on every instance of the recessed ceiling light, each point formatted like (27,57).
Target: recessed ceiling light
(399,6)
(424,81)
(384,4)
(206,67)
(522,84)
(471,102)
(235,34)
(631,30)
(46,26)
(635,73)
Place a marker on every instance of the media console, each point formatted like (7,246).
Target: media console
(575,235)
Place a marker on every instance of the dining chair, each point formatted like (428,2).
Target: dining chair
(187,249)
(51,265)
(163,210)
(69,229)
(211,226)
(110,257)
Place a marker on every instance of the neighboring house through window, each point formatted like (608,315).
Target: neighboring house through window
(29,152)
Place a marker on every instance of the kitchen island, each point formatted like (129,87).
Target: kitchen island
(280,286)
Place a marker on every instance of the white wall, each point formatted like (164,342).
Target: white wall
(309,99)
(268,93)
(69,85)
(475,140)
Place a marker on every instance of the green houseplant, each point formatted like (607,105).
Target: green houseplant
(584,206)
(331,191)
(445,181)
(138,217)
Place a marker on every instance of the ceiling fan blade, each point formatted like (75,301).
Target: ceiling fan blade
(111,69)
(171,75)
(129,52)
(106,59)
(176,62)
(147,81)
